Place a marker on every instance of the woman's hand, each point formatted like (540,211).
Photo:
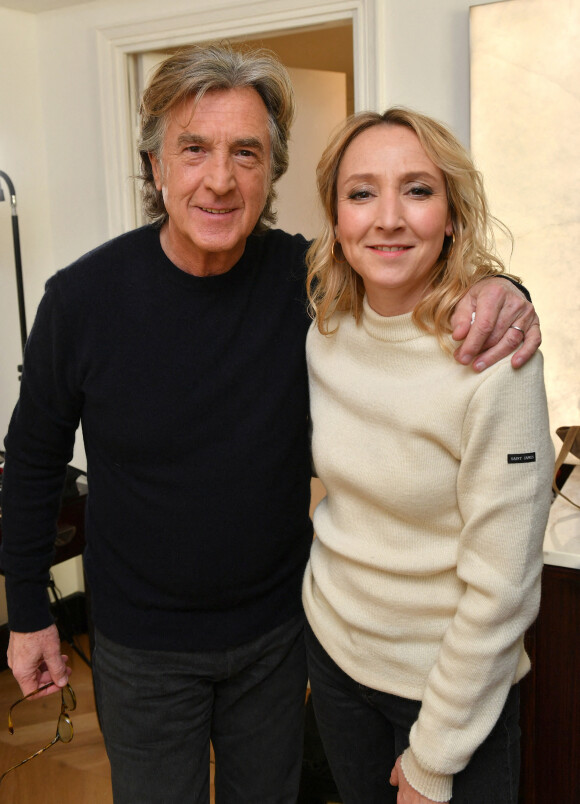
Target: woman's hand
(407,794)
(499,308)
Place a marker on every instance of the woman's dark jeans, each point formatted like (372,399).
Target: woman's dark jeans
(364,731)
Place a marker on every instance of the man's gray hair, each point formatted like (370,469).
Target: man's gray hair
(192,72)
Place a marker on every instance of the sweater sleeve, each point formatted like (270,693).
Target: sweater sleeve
(503,492)
(38,446)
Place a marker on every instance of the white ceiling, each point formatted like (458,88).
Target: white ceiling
(36,6)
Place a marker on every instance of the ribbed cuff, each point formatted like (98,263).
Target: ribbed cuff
(28,605)
(432,785)
(519,285)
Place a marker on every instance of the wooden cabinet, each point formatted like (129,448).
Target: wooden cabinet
(70,541)
(550,701)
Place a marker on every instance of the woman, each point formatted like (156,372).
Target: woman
(425,572)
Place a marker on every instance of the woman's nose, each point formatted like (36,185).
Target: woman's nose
(390,211)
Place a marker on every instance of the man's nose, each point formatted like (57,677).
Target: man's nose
(219,176)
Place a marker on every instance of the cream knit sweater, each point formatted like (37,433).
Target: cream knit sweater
(425,572)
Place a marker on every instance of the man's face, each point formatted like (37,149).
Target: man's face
(214,173)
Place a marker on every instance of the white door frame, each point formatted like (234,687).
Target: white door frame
(116,44)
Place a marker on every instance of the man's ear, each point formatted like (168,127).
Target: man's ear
(156,168)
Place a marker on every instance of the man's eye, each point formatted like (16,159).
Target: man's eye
(247,154)
(194,149)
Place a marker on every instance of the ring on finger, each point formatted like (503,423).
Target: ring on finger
(519,329)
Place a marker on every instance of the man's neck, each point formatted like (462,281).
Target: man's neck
(198,263)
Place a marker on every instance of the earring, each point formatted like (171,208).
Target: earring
(450,246)
(334,257)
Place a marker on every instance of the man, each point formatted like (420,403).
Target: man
(180,349)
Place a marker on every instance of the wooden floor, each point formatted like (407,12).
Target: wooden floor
(75,773)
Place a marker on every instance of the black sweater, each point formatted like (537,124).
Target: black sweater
(193,400)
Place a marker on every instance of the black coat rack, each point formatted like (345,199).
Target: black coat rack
(17,257)
(70,489)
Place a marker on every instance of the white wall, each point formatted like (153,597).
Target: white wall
(427,52)
(50,121)
(23,158)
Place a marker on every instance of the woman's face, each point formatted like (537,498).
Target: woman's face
(393,215)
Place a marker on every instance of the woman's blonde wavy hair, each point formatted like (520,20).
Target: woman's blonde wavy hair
(466,257)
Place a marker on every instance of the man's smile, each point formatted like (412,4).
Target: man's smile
(216,211)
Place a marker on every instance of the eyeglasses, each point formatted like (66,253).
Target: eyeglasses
(64,727)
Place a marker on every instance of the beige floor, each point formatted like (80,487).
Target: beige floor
(75,773)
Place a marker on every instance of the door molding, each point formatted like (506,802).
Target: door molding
(235,21)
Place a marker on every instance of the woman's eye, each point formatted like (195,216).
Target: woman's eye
(359,195)
(420,192)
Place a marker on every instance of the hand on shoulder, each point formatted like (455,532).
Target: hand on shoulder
(493,319)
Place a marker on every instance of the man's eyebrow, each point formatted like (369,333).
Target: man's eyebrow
(191,138)
(249,142)
(188,138)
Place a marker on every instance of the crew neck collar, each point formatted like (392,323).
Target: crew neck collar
(389,328)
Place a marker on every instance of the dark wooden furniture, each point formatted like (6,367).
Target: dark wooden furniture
(70,541)
(550,702)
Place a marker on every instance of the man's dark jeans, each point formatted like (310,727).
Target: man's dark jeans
(159,711)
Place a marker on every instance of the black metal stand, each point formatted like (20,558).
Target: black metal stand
(17,258)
